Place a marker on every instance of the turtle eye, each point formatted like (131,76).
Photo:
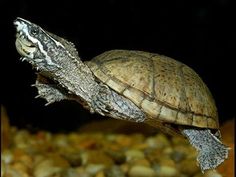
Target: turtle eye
(34,31)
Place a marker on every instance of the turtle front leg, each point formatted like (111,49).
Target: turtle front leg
(109,103)
(211,152)
(49,91)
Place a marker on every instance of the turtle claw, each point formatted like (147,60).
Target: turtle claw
(37,96)
(48,103)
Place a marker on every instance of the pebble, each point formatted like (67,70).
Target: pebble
(100,174)
(46,168)
(134,154)
(114,171)
(177,156)
(7,157)
(167,171)
(142,162)
(98,155)
(162,141)
(94,168)
(212,173)
(118,156)
(189,167)
(141,171)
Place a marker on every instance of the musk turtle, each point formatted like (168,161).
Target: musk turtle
(129,85)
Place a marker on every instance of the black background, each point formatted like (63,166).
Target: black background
(198,33)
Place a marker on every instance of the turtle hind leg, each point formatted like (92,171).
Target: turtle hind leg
(211,152)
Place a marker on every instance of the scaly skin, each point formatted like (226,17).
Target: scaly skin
(62,75)
(57,60)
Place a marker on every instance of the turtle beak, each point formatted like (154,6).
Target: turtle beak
(20,22)
(24,45)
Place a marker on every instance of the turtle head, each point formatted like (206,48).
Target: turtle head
(44,50)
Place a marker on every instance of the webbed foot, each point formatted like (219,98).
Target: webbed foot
(49,91)
(211,152)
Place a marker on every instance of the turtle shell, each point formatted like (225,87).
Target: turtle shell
(162,87)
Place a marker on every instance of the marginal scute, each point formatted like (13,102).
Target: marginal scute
(212,123)
(151,108)
(199,121)
(198,95)
(168,114)
(134,95)
(162,87)
(119,87)
(184,118)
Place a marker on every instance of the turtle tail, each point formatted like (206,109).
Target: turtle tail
(211,152)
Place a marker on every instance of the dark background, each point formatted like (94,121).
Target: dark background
(200,34)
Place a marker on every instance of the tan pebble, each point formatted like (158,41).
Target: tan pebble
(100,174)
(21,139)
(179,141)
(137,138)
(125,167)
(134,154)
(27,160)
(151,142)
(7,156)
(110,137)
(3,168)
(118,156)
(140,146)
(81,172)
(94,168)
(167,171)
(20,167)
(11,172)
(189,167)
(187,150)
(114,171)
(74,158)
(69,172)
(18,153)
(177,156)
(167,162)
(162,140)
(159,141)
(153,155)
(212,173)
(46,168)
(141,162)
(60,140)
(200,174)
(73,137)
(124,140)
(88,144)
(96,157)
(168,150)
(38,158)
(141,171)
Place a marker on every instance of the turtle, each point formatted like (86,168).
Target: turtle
(129,85)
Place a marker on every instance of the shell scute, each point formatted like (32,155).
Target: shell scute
(162,87)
